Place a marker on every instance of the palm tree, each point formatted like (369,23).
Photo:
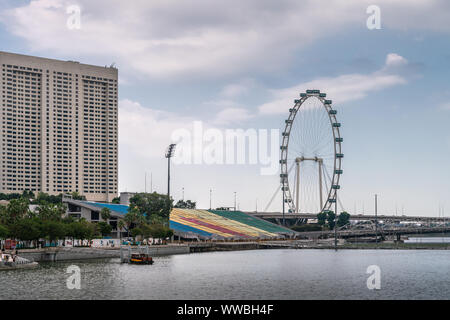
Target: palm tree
(129,219)
(121,225)
(105,214)
(133,217)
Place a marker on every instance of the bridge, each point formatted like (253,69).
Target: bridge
(384,232)
(359,217)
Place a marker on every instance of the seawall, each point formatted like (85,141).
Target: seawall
(65,254)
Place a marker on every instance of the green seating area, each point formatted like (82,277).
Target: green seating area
(251,221)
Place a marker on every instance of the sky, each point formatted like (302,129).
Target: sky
(240,65)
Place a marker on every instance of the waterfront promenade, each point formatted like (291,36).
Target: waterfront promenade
(86,253)
(82,253)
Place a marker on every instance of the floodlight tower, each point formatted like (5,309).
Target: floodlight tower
(169,154)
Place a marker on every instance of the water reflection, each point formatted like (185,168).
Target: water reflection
(260,274)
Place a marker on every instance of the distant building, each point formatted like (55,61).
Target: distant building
(125,197)
(58,127)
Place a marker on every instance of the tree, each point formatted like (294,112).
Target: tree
(28,194)
(105,228)
(160,231)
(26,229)
(134,218)
(136,232)
(3,215)
(188,204)
(105,213)
(343,219)
(116,200)
(16,209)
(43,197)
(120,225)
(4,232)
(92,230)
(54,230)
(330,219)
(76,196)
(154,206)
(321,218)
(79,230)
(51,211)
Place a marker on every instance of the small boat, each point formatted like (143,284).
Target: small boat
(141,258)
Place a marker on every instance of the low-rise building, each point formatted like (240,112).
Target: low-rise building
(90,211)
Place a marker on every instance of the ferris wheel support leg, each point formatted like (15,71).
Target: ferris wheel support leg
(320,185)
(297,187)
(273,197)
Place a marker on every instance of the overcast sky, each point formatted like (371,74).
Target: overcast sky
(240,64)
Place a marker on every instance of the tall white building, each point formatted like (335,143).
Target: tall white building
(58,127)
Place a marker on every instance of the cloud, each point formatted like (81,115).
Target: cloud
(238,89)
(394,60)
(343,88)
(445,106)
(201,38)
(232,115)
(146,131)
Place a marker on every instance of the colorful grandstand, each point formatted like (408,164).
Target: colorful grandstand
(215,224)
(195,223)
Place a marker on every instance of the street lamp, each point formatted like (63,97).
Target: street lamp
(376,218)
(335,220)
(169,154)
(210,195)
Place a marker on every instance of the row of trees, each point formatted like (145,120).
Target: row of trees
(33,229)
(47,222)
(327,218)
(148,215)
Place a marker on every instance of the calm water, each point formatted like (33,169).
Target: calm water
(259,274)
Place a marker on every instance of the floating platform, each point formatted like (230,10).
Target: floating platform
(14,266)
(18,263)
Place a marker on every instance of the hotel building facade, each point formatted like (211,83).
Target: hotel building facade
(58,127)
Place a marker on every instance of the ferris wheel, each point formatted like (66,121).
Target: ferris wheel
(311,155)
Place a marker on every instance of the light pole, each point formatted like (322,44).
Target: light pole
(283,207)
(335,221)
(235,201)
(183,193)
(210,196)
(169,154)
(376,218)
